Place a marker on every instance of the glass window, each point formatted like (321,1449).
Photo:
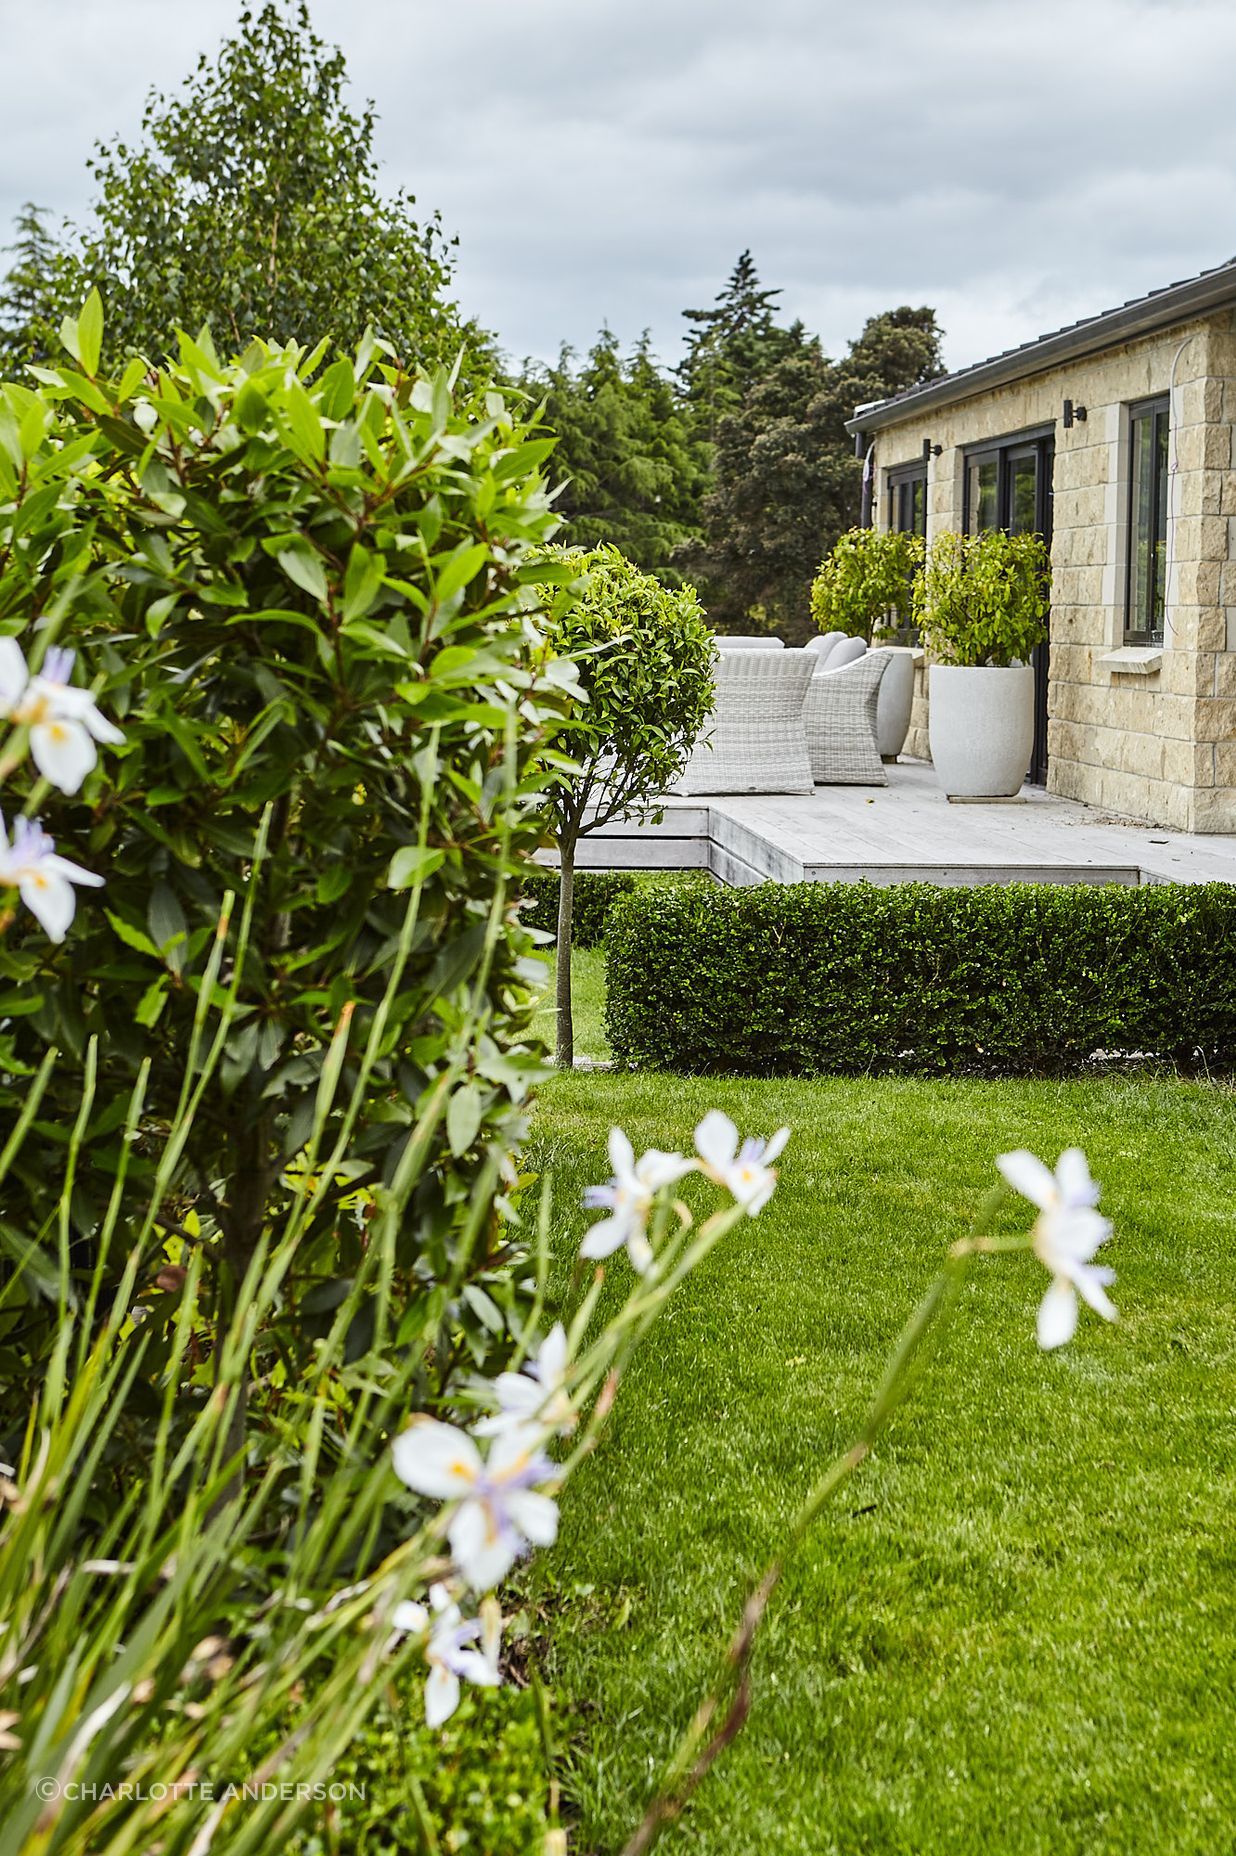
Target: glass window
(1024,494)
(983,493)
(907,512)
(1147,564)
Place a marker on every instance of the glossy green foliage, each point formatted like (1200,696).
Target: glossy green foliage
(309,594)
(644,655)
(863,588)
(984,599)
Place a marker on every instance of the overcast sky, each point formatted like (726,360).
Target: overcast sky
(1016,165)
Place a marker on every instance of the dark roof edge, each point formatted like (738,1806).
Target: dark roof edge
(1177,303)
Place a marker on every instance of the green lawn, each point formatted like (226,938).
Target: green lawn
(1017,1629)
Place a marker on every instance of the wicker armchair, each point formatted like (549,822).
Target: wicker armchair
(840,720)
(754,741)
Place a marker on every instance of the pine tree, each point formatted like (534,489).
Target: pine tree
(786,482)
(731,346)
(27,319)
(633,472)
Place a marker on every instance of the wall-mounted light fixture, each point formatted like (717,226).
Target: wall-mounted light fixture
(1073,414)
(930,450)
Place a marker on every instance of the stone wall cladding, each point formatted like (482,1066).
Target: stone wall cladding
(1160,746)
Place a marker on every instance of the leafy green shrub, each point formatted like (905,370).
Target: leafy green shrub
(983,599)
(596,891)
(864,586)
(310,598)
(846,979)
(645,657)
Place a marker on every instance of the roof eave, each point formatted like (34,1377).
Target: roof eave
(1181,303)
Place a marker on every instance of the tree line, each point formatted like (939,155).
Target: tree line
(251,203)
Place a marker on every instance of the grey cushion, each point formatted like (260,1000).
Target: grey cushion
(847,651)
(748,641)
(826,645)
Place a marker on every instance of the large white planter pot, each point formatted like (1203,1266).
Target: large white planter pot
(896,699)
(980,726)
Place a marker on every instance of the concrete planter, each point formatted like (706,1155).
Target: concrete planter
(895,701)
(981,728)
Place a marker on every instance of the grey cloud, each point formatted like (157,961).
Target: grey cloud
(1017,166)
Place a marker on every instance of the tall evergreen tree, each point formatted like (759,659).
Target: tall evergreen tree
(251,203)
(634,474)
(786,480)
(731,346)
(26,331)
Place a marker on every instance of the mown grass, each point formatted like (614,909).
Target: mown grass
(1017,1629)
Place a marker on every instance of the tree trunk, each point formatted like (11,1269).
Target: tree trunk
(565,1053)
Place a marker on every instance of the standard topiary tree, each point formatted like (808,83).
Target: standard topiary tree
(865,583)
(645,657)
(983,599)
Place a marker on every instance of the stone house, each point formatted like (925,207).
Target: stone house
(1114,439)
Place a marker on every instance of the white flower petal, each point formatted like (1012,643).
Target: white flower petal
(535,1515)
(716,1139)
(776,1145)
(1057,1322)
(639,1250)
(1026,1174)
(72,873)
(441,1695)
(436,1459)
(551,1360)
(754,1200)
(477,1669)
(410,1617)
(656,1169)
(63,752)
(50,899)
(621,1154)
(1090,1281)
(511,1453)
(13,674)
(102,729)
(604,1238)
(483,1553)
(1063,1239)
(1073,1177)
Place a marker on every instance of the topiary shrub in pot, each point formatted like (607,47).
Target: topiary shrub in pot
(864,588)
(981,603)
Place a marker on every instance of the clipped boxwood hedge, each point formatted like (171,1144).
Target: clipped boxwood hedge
(595,893)
(845,979)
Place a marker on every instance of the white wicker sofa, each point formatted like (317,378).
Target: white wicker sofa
(755,740)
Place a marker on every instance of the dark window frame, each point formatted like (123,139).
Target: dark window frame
(904,477)
(1003,452)
(1158,409)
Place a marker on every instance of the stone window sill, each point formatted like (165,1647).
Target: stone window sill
(1134,660)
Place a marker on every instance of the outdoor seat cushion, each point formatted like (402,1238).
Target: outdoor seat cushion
(840,719)
(845,651)
(748,641)
(826,644)
(754,741)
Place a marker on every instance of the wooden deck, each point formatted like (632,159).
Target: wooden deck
(907,832)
